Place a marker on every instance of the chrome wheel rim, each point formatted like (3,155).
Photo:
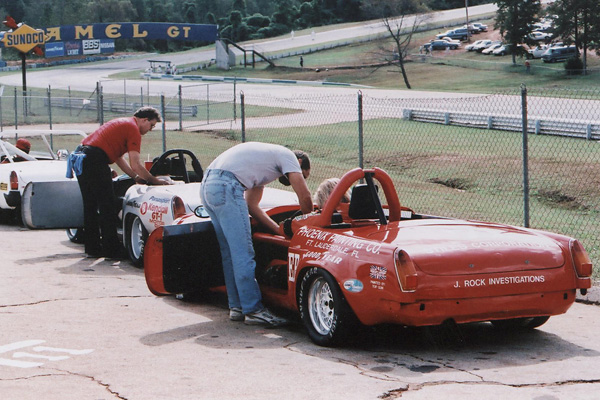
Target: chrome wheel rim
(137,238)
(321,306)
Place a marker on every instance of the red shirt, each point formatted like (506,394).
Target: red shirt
(116,137)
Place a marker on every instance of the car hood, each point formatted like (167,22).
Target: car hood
(451,247)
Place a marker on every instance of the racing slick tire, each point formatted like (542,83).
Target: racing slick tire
(324,310)
(136,237)
(75,235)
(520,323)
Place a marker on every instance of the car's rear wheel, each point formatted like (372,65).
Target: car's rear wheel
(136,239)
(75,235)
(323,308)
(520,323)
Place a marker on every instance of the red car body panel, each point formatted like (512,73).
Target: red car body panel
(403,268)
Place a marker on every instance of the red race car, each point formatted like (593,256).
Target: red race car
(370,263)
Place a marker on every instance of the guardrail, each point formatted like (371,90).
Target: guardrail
(581,130)
(115,106)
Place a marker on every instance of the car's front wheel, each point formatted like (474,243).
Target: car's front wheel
(75,235)
(323,308)
(136,239)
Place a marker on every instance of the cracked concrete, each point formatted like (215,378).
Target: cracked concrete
(90,329)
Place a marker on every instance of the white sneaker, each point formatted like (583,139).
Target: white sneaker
(264,317)
(235,314)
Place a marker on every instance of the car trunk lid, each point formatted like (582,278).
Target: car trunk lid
(447,247)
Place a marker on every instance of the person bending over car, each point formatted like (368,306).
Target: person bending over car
(232,188)
(90,161)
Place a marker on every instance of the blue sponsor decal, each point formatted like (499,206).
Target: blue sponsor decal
(107,46)
(55,49)
(73,48)
(353,285)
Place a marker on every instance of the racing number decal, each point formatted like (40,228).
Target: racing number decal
(293,261)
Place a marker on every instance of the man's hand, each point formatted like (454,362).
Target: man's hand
(285,228)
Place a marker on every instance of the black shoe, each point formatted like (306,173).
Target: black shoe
(120,254)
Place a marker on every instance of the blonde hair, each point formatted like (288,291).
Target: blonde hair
(324,190)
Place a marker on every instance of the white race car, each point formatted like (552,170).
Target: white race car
(146,208)
(42,164)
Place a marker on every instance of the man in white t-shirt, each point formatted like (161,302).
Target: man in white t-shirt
(245,169)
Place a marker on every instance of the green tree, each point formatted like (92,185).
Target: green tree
(189,12)
(514,20)
(239,5)
(577,22)
(14,8)
(235,19)
(110,11)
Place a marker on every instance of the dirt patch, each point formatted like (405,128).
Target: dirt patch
(454,183)
(559,199)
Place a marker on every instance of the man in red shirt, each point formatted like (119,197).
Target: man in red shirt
(107,145)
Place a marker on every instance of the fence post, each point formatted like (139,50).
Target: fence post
(164,121)
(180,92)
(1,119)
(16,112)
(50,106)
(525,157)
(208,104)
(234,99)
(360,129)
(101,108)
(141,96)
(243,115)
(70,105)
(98,102)
(125,96)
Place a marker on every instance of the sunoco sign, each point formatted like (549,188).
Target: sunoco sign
(24,38)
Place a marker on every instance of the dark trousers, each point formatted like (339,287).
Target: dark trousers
(99,211)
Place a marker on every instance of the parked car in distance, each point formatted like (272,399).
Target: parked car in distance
(506,49)
(556,54)
(459,33)
(451,41)
(483,45)
(480,26)
(490,49)
(472,28)
(537,51)
(472,46)
(440,45)
(539,36)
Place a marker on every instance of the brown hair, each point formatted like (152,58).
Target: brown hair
(148,112)
(304,160)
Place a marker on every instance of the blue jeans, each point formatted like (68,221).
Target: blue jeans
(223,198)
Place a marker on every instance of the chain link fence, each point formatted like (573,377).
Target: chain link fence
(463,157)
(192,106)
(521,157)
